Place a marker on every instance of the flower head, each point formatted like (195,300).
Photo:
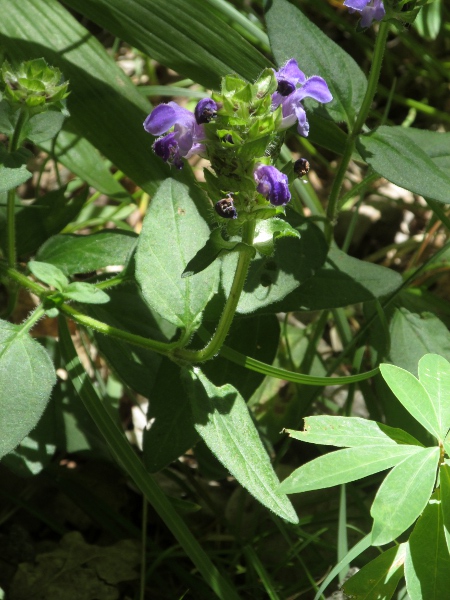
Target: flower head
(186,138)
(272,184)
(371,10)
(289,95)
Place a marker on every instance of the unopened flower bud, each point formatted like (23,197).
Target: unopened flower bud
(301,167)
(205,110)
(226,209)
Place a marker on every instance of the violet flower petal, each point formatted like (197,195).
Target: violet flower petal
(356,4)
(315,87)
(272,184)
(164,116)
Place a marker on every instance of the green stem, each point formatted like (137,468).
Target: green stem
(372,84)
(133,466)
(34,317)
(216,342)
(14,144)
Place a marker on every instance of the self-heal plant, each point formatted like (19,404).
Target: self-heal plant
(371,10)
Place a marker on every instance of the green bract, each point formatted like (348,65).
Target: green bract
(34,84)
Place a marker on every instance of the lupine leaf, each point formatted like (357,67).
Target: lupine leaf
(413,396)
(345,465)
(434,375)
(444,479)
(26,380)
(223,421)
(403,495)
(350,432)
(292,35)
(394,155)
(378,579)
(172,232)
(427,563)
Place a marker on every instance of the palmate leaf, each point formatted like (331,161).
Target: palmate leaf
(346,465)
(27,376)
(403,495)
(222,419)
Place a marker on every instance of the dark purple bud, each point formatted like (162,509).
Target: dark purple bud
(225,208)
(205,110)
(285,87)
(272,184)
(301,167)
(228,138)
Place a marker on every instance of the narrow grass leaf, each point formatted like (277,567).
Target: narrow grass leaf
(378,579)
(414,397)
(427,563)
(350,432)
(345,465)
(172,232)
(223,421)
(434,375)
(27,376)
(403,495)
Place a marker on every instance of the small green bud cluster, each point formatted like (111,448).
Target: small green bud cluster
(33,85)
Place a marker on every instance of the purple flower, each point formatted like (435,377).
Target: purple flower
(370,10)
(290,96)
(186,138)
(272,184)
(205,110)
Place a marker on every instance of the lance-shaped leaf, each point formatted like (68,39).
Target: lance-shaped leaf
(444,478)
(172,233)
(427,563)
(397,157)
(403,495)
(26,380)
(434,375)
(378,579)
(413,396)
(223,421)
(350,432)
(346,465)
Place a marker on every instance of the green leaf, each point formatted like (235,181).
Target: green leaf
(444,479)
(26,380)
(392,154)
(428,22)
(13,170)
(434,375)
(49,274)
(346,465)
(223,421)
(43,126)
(104,104)
(341,281)
(85,253)
(378,579)
(350,432)
(86,293)
(403,495)
(413,396)
(427,563)
(292,35)
(170,431)
(7,118)
(83,159)
(272,278)
(215,246)
(270,230)
(413,336)
(172,232)
(435,144)
(200,45)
